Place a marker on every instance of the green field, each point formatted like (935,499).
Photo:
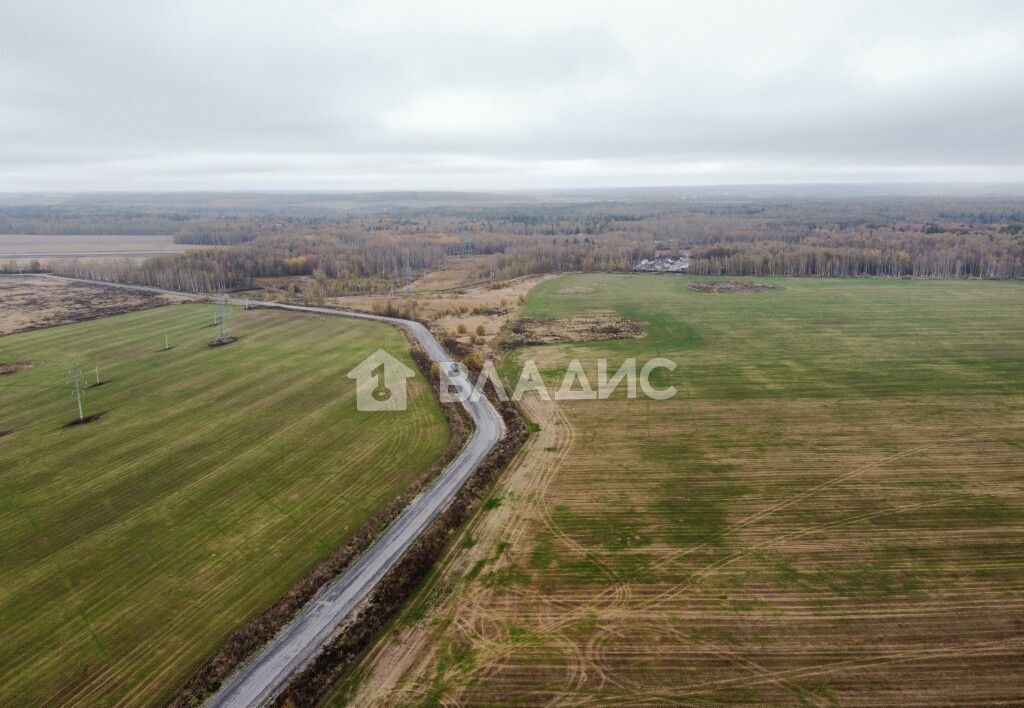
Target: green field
(830,511)
(215,478)
(812,338)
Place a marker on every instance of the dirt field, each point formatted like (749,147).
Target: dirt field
(828,513)
(23,247)
(28,302)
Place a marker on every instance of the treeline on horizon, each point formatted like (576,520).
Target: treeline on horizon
(375,251)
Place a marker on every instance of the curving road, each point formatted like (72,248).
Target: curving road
(263,677)
(266,674)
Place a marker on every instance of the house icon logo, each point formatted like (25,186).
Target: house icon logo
(380,383)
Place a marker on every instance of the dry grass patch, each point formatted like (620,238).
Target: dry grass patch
(31,302)
(484,306)
(728,286)
(585,328)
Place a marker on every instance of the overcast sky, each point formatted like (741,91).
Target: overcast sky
(489,95)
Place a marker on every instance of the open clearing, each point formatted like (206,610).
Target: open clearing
(29,302)
(476,306)
(830,512)
(213,479)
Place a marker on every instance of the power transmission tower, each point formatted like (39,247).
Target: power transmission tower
(222,318)
(75,379)
(407,277)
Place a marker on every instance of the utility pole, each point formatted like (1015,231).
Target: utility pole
(97,374)
(167,342)
(75,379)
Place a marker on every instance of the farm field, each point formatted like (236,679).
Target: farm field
(829,512)
(31,302)
(213,480)
(23,247)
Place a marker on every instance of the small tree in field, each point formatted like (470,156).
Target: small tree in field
(474,361)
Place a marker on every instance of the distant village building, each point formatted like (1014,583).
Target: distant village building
(665,264)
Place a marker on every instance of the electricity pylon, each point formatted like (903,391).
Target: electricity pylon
(75,379)
(221,318)
(407,277)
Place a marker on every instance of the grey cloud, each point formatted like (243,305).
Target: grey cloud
(239,95)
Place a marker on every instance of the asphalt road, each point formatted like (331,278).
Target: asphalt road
(267,673)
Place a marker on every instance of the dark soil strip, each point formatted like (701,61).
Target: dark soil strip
(14,367)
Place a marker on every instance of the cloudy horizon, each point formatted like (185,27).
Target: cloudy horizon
(378,96)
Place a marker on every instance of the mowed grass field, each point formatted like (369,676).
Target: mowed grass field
(829,512)
(131,547)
